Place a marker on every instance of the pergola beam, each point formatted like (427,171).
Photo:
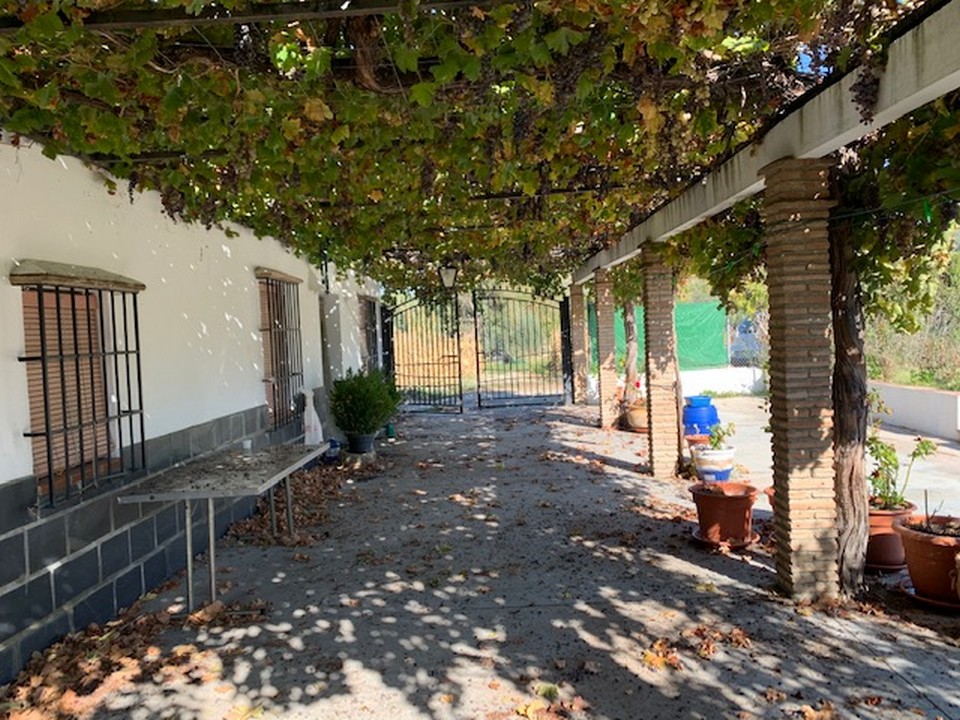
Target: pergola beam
(264,12)
(922,65)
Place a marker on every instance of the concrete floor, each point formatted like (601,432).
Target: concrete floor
(517,563)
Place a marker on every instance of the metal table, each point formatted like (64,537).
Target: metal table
(224,475)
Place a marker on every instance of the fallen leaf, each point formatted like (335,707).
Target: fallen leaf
(825,711)
(772,695)
(240,712)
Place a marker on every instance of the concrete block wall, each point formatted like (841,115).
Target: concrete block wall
(82,562)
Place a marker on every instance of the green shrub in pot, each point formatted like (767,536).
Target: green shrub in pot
(362,402)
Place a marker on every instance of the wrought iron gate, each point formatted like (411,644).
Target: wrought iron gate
(522,349)
(422,352)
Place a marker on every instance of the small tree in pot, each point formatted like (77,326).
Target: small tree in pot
(361,403)
(887,501)
(715,460)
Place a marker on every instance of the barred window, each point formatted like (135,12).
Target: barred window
(369,334)
(82,358)
(282,357)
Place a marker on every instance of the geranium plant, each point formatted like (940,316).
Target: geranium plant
(887,488)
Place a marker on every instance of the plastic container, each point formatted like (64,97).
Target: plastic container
(332,454)
(699,415)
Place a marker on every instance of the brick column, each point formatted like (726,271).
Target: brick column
(796,210)
(606,344)
(579,343)
(661,368)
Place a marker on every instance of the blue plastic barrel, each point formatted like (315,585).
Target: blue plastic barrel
(699,415)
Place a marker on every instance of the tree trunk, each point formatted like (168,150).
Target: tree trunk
(850,410)
(630,333)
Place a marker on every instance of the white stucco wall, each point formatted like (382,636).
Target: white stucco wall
(927,411)
(201,348)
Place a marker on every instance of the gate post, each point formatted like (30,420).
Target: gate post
(606,344)
(661,365)
(796,211)
(386,332)
(578,343)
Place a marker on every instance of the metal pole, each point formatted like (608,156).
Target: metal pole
(273,511)
(188,529)
(212,540)
(289,496)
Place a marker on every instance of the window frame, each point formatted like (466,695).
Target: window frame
(82,355)
(281,334)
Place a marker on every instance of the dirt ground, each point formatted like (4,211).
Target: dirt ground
(504,564)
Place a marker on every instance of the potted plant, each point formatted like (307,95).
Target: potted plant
(714,461)
(725,513)
(361,403)
(931,544)
(887,502)
(633,414)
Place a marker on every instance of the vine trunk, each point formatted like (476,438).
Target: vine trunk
(630,334)
(850,410)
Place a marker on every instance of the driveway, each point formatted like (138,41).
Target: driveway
(938,476)
(508,564)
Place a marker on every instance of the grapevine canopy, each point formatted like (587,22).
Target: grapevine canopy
(514,139)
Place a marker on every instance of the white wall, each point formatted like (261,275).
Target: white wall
(923,410)
(725,380)
(739,380)
(201,347)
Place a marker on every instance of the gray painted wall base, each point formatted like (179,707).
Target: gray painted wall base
(67,567)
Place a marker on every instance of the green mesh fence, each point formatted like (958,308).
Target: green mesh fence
(701,335)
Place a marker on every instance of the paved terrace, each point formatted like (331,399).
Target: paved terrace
(516,564)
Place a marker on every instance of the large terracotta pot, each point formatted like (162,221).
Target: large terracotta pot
(634,417)
(884,547)
(931,559)
(725,512)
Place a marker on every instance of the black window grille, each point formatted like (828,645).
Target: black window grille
(283,361)
(370,349)
(82,357)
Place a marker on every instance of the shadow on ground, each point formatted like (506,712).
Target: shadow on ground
(514,563)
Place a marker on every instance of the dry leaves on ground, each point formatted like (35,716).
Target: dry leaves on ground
(312,491)
(661,510)
(707,639)
(662,655)
(75,676)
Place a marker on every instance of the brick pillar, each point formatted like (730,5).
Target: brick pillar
(661,368)
(796,210)
(609,406)
(579,344)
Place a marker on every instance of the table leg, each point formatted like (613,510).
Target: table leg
(273,512)
(212,539)
(188,530)
(289,495)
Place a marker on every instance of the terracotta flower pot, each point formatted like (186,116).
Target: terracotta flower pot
(884,547)
(694,440)
(931,559)
(725,512)
(634,417)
